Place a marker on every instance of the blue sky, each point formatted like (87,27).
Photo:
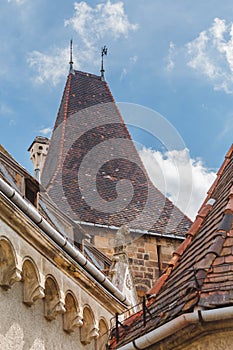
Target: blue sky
(174,57)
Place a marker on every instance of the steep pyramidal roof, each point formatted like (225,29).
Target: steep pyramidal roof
(93,171)
(200,274)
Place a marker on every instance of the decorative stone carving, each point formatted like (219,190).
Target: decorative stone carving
(89,331)
(9,273)
(53,305)
(128,281)
(92,334)
(120,257)
(103,335)
(72,318)
(32,290)
(121,239)
(120,272)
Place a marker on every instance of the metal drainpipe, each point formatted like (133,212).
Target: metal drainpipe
(62,241)
(147,340)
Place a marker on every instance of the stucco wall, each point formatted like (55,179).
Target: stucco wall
(24,327)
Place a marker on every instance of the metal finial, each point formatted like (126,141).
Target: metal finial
(71,57)
(103,53)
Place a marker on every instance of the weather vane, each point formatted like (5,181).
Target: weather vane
(103,53)
(71,57)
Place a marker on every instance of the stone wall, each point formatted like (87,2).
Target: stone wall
(216,338)
(221,341)
(148,254)
(215,335)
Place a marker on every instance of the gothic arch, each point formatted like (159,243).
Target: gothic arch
(32,290)
(9,273)
(53,304)
(89,330)
(72,317)
(103,335)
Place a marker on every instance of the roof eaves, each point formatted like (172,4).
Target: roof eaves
(219,174)
(204,265)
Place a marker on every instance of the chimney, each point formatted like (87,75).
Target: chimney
(38,152)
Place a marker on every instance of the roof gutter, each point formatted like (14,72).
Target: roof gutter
(137,231)
(158,334)
(61,240)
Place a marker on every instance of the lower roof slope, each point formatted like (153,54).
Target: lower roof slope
(91,154)
(200,273)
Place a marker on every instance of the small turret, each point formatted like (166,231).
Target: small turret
(38,152)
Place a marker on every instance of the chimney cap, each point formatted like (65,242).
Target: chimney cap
(40,139)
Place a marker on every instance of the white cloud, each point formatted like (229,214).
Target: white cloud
(50,68)
(211,54)
(92,25)
(53,67)
(126,70)
(170,62)
(18,2)
(182,179)
(46,131)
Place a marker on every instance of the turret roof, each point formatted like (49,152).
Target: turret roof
(90,153)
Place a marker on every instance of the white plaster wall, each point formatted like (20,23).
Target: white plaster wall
(25,328)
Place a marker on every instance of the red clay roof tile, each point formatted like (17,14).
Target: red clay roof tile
(202,276)
(89,126)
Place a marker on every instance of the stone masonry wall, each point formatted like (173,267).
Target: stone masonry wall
(148,255)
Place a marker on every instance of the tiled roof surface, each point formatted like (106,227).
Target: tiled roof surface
(89,130)
(200,274)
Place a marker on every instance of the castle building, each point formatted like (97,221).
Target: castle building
(53,293)
(74,250)
(90,155)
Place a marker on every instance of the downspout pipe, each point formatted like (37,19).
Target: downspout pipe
(158,334)
(61,240)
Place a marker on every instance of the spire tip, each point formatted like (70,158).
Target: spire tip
(71,57)
(103,53)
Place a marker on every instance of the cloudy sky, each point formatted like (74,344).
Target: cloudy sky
(172,57)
